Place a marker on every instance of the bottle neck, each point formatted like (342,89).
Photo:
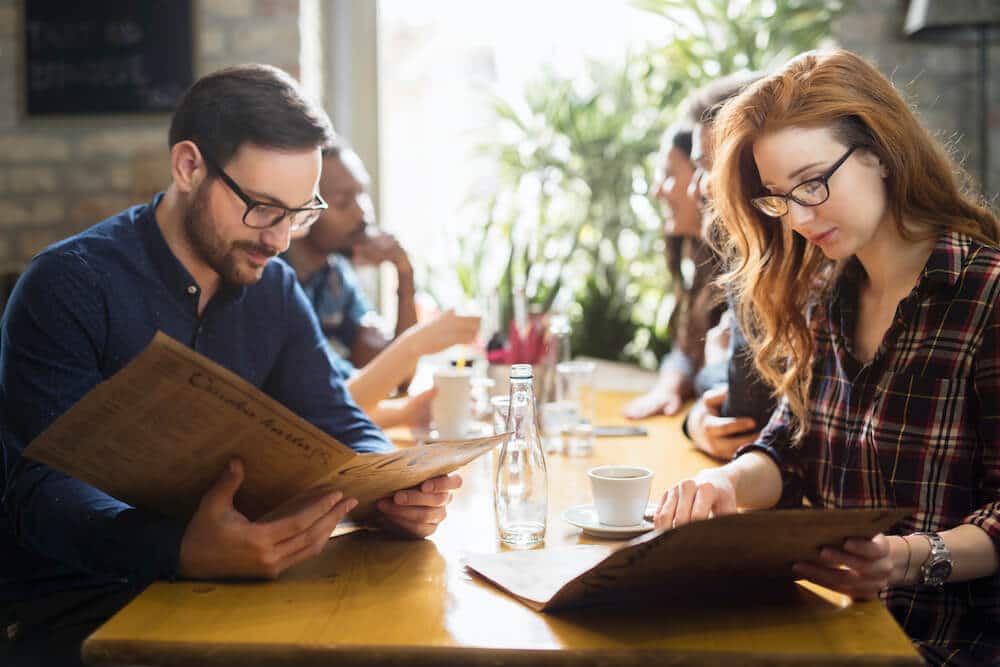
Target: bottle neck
(521,410)
(521,385)
(524,391)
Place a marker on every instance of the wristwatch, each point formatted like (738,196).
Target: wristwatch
(937,568)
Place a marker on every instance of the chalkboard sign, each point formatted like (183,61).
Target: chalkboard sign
(106,56)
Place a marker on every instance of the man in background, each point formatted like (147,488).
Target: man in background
(375,362)
(323,257)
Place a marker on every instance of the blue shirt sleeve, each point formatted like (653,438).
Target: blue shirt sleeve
(307,380)
(51,343)
(678,361)
(355,303)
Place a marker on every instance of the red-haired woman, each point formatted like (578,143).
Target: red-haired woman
(867,285)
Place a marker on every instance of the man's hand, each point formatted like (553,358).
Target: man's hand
(220,542)
(709,493)
(860,568)
(713,434)
(442,331)
(383,247)
(417,511)
(666,398)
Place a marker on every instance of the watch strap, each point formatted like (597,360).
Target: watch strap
(939,553)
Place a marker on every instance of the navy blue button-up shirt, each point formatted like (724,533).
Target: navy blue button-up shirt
(83,309)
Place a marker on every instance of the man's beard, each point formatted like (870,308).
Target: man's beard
(220,256)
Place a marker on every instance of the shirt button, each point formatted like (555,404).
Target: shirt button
(192,290)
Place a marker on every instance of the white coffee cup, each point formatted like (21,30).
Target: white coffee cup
(450,408)
(620,493)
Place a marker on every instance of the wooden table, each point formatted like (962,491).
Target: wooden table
(372,600)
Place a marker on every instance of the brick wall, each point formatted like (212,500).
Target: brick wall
(939,80)
(58,176)
(61,175)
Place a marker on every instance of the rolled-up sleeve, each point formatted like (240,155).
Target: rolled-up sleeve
(986,385)
(775,441)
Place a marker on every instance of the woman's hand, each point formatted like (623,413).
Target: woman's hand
(413,411)
(709,493)
(861,568)
(666,398)
(442,331)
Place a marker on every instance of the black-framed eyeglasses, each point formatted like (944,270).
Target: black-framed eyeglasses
(813,192)
(261,215)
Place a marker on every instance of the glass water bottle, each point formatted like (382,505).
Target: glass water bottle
(520,496)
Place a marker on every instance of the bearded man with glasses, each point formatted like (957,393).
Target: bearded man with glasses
(198,263)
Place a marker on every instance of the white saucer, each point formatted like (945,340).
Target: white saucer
(585,517)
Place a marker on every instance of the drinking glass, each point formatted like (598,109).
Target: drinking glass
(576,391)
(501,405)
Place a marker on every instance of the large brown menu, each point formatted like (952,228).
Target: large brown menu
(160,431)
(723,551)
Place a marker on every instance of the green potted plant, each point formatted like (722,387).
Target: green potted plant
(571,215)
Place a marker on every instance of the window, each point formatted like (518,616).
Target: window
(438,63)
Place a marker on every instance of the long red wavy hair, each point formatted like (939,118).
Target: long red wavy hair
(777,275)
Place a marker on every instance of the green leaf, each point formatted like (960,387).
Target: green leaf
(589,144)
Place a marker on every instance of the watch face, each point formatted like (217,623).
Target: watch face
(940,571)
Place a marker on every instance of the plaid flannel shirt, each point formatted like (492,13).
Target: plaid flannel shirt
(919,426)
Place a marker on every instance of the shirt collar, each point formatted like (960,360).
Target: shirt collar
(177,279)
(947,259)
(319,277)
(943,267)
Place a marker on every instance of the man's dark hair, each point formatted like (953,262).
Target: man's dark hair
(256,104)
(334,146)
(704,104)
(679,137)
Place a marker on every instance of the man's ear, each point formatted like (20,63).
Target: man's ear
(187,166)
